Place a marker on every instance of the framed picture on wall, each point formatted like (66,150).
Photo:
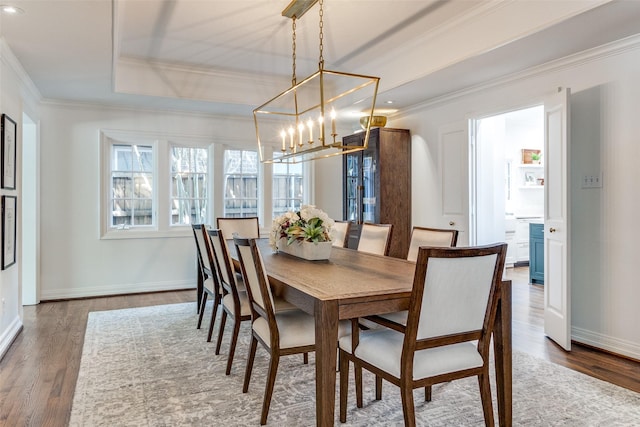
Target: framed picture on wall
(9,208)
(8,178)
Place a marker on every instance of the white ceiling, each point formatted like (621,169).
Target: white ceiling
(228,56)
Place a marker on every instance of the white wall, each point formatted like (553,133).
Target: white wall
(75,261)
(14,95)
(604,310)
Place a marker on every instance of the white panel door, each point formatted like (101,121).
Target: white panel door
(557,292)
(454,170)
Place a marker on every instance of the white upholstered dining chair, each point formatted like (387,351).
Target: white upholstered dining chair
(340,233)
(375,238)
(247,227)
(210,285)
(280,333)
(447,336)
(435,237)
(235,302)
(420,236)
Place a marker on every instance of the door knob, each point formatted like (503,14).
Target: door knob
(451,223)
(552,230)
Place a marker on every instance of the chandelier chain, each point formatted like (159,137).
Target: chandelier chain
(293,45)
(321,60)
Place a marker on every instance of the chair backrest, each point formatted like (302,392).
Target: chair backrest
(247,227)
(223,264)
(199,231)
(375,238)
(340,233)
(455,294)
(437,237)
(257,283)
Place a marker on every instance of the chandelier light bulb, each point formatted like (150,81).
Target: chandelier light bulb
(291,132)
(310,126)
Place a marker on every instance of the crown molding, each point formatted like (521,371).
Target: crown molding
(8,58)
(81,105)
(590,55)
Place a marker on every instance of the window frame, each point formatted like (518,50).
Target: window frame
(259,180)
(162,181)
(208,182)
(289,197)
(161,189)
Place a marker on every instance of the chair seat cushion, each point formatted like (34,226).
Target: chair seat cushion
(295,327)
(280,304)
(383,348)
(245,310)
(399,317)
(209,285)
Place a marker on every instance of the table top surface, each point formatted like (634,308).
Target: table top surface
(347,276)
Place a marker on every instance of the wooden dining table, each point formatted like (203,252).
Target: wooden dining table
(355,284)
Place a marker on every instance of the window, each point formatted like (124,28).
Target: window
(131,202)
(155,187)
(288,187)
(189,190)
(240,183)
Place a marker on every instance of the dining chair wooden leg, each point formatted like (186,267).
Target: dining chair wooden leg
(378,387)
(344,386)
(223,322)
(357,372)
(268,391)
(252,354)
(216,303)
(203,303)
(485,396)
(408,408)
(427,393)
(305,358)
(232,347)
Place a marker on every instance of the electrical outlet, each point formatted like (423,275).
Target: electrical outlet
(592,181)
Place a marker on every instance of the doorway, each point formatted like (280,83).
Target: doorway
(29,271)
(508,179)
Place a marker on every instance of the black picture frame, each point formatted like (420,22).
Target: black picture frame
(8,152)
(9,218)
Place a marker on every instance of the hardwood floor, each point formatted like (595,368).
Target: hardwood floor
(39,372)
(528,336)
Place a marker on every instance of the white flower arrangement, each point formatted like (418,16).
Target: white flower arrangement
(310,224)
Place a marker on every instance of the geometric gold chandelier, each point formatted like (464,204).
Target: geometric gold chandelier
(307,121)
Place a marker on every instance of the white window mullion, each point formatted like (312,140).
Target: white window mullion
(163,182)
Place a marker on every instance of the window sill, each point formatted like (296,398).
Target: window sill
(147,234)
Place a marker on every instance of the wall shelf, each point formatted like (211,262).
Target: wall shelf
(531,165)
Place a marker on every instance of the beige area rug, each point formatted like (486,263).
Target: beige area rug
(151,367)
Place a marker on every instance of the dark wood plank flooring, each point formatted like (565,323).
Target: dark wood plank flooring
(39,372)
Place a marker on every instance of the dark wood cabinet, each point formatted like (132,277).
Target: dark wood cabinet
(536,253)
(377,185)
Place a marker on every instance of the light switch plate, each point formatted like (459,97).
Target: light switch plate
(592,181)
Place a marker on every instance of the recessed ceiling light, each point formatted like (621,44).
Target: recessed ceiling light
(389,102)
(10,10)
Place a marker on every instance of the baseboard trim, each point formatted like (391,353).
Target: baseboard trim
(10,335)
(610,344)
(124,289)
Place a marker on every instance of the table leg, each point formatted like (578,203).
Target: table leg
(502,354)
(326,316)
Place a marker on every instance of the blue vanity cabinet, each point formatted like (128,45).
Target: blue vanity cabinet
(536,253)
